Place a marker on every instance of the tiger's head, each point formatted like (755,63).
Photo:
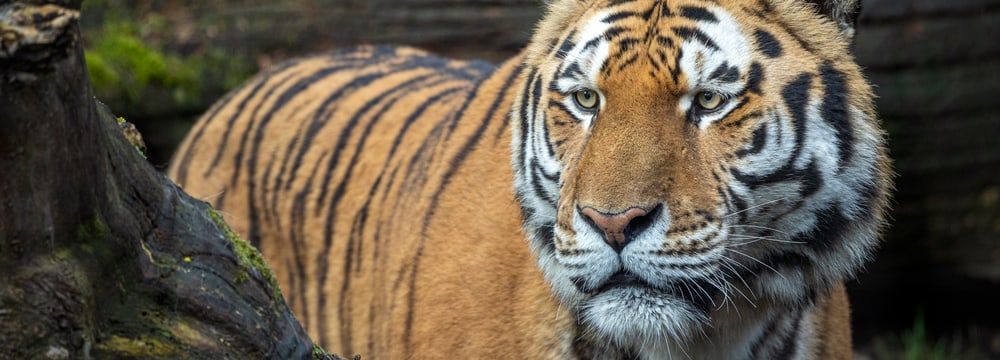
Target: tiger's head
(677,157)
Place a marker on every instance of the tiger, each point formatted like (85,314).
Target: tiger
(646,179)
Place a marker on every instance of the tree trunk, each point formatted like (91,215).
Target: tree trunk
(101,256)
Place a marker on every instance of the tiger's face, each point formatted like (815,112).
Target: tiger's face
(673,158)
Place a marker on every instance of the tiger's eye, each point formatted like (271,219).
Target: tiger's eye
(586,99)
(709,100)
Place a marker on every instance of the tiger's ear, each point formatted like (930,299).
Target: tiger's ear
(843,12)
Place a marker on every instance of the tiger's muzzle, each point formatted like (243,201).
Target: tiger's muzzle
(623,227)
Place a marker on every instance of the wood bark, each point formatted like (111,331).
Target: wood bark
(101,256)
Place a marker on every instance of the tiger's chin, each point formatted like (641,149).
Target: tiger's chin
(638,317)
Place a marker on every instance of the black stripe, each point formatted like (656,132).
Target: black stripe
(757,348)
(353,252)
(812,180)
(725,73)
(431,62)
(665,11)
(297,234)
(526,115)
(834,109)
(796,96)
(339,193)
(788,29)
(755,78)
(393,94)
(788,347)
(420,161)
(675,72)
(756,144)
(270,214)
(690,33)
(545,234)
(609,34)
(352,255)
(258,134)
(566,46)
(454,164)
(377,251)
(409,63)
(291,92)
(743,102)
(618,16)
(536,99)
(560,106)
(698,14)
(831,224)
(572,71)
(345,135)
(767,44)
(592,43)
(632,59)
(535,177)
(626,44)
(252,210)
(465,104)
(271,164)
(236,114)
(262,79)
(183,163)
(321,117)
(665,41)
(739,206)
(323,112)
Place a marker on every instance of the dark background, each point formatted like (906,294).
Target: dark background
(934,290)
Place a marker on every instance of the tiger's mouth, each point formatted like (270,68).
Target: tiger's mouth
(620,279)
(699,293)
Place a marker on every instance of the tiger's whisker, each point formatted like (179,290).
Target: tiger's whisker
(755,206)
(759,262)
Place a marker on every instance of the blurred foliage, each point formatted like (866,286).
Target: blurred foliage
(917,344)
(146,66)
(132,64)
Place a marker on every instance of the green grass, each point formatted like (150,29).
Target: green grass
(917,344)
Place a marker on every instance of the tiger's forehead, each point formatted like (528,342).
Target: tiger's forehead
(682,44)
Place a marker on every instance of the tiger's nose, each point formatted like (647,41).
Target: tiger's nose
(621,228)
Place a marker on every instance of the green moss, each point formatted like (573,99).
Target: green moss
(138,347)
(133,136)
(319,353)
(93,229)
(246,254)
(63,253)
(127,60)
(92,236)
(241,277)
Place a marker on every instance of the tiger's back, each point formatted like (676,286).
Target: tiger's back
(648,179)
(338,168)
